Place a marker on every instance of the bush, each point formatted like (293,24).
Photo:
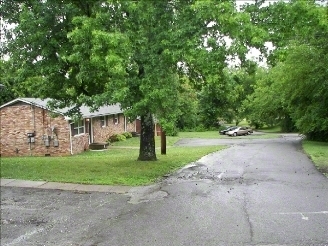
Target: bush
(127,134)
(222,128)
(172,132)
(135,134)
(317,136)
(256,124)
(200,128)
(186,129)
(287,124)
(116,138)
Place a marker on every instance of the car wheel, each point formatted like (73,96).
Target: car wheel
(235,134)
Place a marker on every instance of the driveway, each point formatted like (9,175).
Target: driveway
(256,192)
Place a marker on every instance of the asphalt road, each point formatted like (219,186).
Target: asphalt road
(256,192)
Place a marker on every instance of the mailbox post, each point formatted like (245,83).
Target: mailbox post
(30,140)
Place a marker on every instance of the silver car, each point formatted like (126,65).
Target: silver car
(239,131)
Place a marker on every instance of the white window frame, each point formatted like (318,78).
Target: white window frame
(116,119)
(78,127)
(103,121)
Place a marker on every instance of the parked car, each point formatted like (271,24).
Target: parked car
(238,131)
(229,128)
(249,129)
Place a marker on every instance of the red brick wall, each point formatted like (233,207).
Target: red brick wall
(102,133)
(80,143)
(19,119)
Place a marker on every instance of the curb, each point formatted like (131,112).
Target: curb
(64,186)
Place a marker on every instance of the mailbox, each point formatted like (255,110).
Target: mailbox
(30,137)
(30,134)
(56,143)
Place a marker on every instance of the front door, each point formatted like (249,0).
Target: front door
(88,128)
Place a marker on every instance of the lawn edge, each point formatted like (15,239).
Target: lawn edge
(313,161)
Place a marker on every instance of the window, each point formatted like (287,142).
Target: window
(103,121)
(78,127)
(116,119)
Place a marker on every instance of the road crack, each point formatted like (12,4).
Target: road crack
(245,210)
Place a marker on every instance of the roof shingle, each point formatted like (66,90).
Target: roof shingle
(85,111)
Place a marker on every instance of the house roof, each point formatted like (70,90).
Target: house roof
(85,111)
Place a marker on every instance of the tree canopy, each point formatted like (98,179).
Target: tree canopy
(129,52)
(7,92)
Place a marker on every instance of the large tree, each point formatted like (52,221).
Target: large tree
(265,106)
(97,52)
(299,31)
(223,98)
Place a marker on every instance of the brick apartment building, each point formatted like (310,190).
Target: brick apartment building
(29,128)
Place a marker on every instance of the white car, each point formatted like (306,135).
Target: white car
(239,131)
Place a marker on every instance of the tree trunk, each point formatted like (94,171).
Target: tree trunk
(147,140)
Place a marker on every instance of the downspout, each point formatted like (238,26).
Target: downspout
(125,123)
(70,137)
(91,130)
(33,120)
(34,128)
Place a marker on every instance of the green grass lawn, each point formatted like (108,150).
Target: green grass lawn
(318,152)
(115,166)
(111,167)
(270,129)
(135,141)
